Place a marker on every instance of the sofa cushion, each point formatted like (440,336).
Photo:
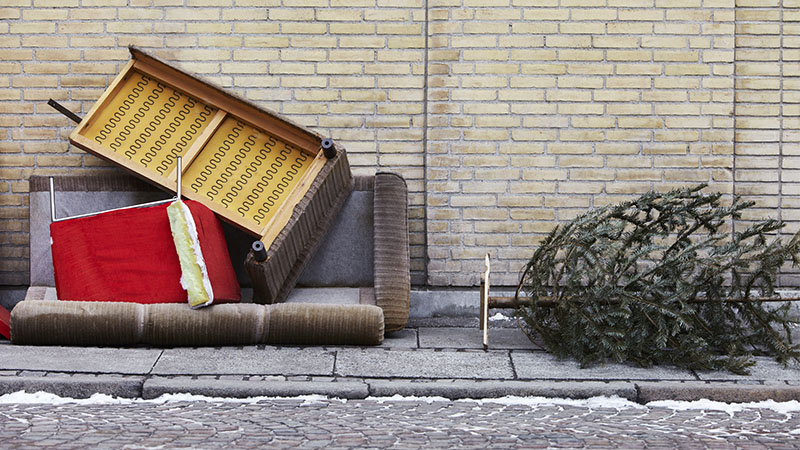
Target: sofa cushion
(38,321)
(345,257)
(129,255)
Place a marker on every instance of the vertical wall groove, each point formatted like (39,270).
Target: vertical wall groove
(426,257)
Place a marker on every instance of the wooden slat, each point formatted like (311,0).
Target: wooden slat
(238,221)
(199,143)
(270,232)
(485,304)
(549,302)
(214,97)
(109,94)
(130,166)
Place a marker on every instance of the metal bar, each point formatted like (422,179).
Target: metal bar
(52,202)
(143,205)
(179,170)
(60,108)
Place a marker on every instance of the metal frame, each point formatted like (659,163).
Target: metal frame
(53,218)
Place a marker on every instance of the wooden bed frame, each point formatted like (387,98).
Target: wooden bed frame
(246,164)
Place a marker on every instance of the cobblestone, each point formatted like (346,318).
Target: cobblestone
(378,424)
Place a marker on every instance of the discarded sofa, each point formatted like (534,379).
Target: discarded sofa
(274,180)
(365,249)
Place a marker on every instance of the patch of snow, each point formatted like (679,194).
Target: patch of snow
(410,398)
(22,397)
(730,408)
(612,402)
(593,402)
(499,316)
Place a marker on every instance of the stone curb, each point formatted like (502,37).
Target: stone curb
(461,389)
(242,389)
(75,386)
(720,392)
(84,386)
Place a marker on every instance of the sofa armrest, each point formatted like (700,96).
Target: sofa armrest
(392,261)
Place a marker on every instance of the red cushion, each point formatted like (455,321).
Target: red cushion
(129,256)
(5,323)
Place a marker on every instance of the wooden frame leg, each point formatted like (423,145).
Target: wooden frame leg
(484,326)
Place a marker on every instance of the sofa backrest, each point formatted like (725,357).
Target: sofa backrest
(345,257)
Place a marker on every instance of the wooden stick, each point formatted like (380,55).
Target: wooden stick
(547,302)
(485,304)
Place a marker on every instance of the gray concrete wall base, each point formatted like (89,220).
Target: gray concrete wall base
(716,391)
(243,389)
(465,389)
(75,386)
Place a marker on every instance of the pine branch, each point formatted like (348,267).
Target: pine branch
(659,269)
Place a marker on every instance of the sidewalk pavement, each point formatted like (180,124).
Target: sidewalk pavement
(432,357)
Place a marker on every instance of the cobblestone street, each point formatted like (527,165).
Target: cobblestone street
(376,423)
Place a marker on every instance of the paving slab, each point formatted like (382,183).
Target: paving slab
(463,389)
(423,363)
(243,389)
(245,361)
(79,386)
(716,391)
(336,296)
(463,338)
(131,361)
(542,365)
(765,369)
(405,338)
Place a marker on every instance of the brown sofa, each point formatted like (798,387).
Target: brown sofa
(381,201)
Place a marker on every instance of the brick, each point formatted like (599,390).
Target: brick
(9,13)
(582,28)
(362,42)
(638,15)
(398,29)
(38,14)
(244,14)
(32,28)
(640,28)
(129,27)
(303,28)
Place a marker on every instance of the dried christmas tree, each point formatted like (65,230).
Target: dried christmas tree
(662,280)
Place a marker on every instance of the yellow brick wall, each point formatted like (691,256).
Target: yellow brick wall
(350,69)
(540,109)
(767,115)
(505,116)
